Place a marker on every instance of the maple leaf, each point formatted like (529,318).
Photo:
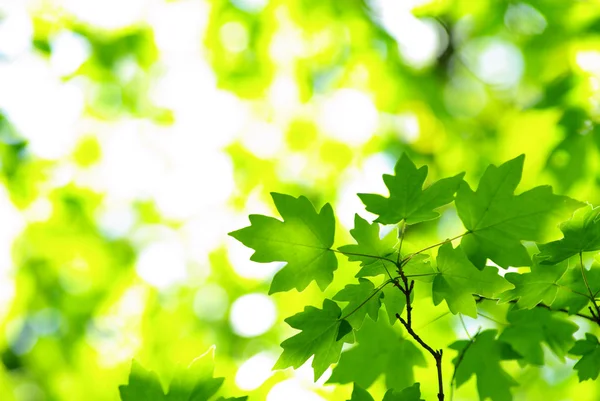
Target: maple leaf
(360,394)
(572,292)
(361,302)
(322,335)
(540,285)
(497,220)
(529,328)
(481,357)
(412,393)
(588,367)
(408,200)
(379,351)
(394,301)
(368,242)
(458,280)
(196,383)
(303,239)
(581,234)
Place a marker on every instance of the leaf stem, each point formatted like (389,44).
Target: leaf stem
(587,285)
(409,257)
(362,255)
(540,305)
(381,286)
(461,356)
(409,286)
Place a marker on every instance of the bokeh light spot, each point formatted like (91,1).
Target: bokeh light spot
(252,315)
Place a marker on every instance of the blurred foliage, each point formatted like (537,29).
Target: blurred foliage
(134,135)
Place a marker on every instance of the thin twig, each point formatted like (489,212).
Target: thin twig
(437,355)
(587,285)
(409,257)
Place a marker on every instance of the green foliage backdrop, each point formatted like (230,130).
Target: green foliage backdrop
(135,135)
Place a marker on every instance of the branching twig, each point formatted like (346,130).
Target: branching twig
(437,355)
(587,285)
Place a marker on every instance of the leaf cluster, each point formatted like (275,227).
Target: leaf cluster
(502,229)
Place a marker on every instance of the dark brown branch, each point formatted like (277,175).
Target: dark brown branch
(437,355)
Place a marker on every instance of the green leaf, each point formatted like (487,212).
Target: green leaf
(412,393)
(588,367)
(369,243)
(320,330)
(143,385)
(529,328)
(498,220)
(360,394)
(418,268)
(540,285)
(408,200)
(303,240)
(572,292)
(196,383)
(380,350)
(481,358)
(581,234)
(359,303)
(394,301)
(459,280)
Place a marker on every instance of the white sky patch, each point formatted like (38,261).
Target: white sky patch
(588,61)
(255,371)
(39,210)
(234,36)
(11,227)
(58,106)
(406,124)
(251,5)
(292,390)
(239,257)
(117,334)
(132,165)
(107,14)
(69,51)
(496,61)
(194,181)
(367,179)
(209,117)
(284,96)
(287,42)
(115,219)
(264,140)
(206,231)
(252,315)
(162,263)
(16,29)
(420,41)
(525,19)
(211,302)
(189,16)
(349,116)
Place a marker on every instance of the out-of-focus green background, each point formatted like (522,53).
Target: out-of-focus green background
(135,134)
